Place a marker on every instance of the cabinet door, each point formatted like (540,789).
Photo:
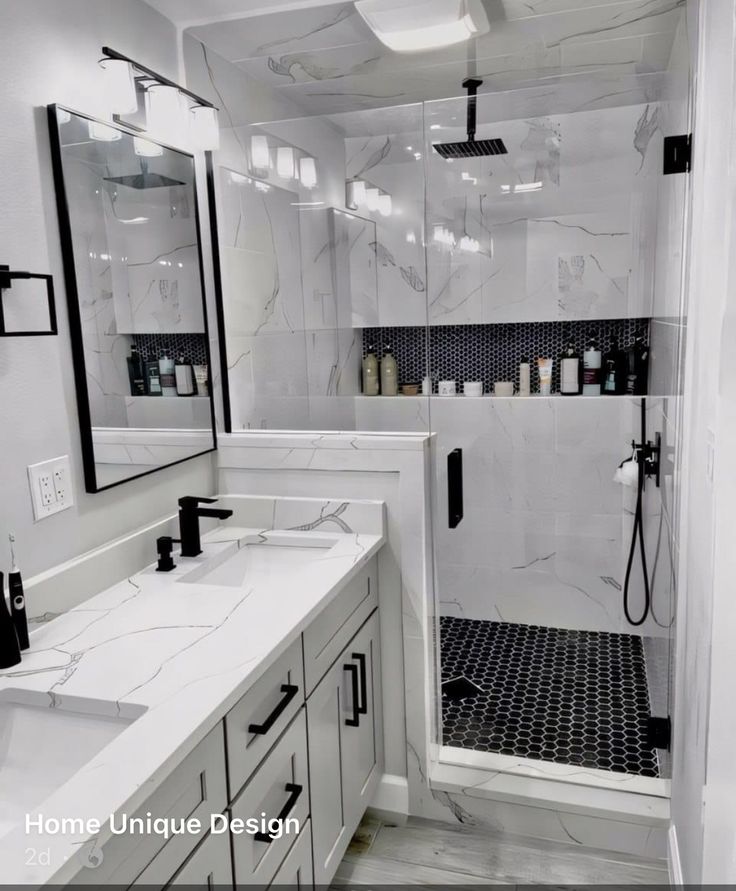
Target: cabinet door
(345,731)
(362,743)
(296,871)
(210,866)
(325,720)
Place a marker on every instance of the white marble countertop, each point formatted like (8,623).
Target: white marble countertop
(186,652)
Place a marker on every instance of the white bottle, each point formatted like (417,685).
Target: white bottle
(525,378)
(167,375)
(184,377)
(592,362)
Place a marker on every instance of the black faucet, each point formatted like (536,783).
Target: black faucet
(189,514)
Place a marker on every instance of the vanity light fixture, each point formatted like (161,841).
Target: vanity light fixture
(164,111)
(203,126)
(260,156)
(120,85)
(285,162)
(103,133)
(384,205)
(145,148)
(172,112)
(372,197)
(443,22)
(308,172)
(356,194)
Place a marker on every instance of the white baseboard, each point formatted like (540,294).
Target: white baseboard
(392,798)
(673,858)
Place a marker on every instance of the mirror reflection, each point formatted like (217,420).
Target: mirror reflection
(136,299)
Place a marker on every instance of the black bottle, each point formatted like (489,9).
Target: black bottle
(614,371)
(637,371)
(9,646)
(135,372)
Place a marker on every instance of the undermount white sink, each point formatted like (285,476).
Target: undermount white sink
(44,740)
(267,558)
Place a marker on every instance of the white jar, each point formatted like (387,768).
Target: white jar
(447,388)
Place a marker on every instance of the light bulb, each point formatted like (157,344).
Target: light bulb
(308,172)
(120,86)
(371,199)
(260,157)
(384,205)
(103,132)
(165,112)
(204,128)
(285,162)
(145,148)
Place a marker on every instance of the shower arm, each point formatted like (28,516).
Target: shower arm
(471,84)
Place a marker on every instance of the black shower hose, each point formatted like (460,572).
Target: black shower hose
(638,531)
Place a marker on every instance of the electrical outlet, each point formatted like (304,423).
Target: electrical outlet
(51,489)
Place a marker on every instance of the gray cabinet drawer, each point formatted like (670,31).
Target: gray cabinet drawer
(257,721)
(330,632)
(296,871)
(195,789)
(281,782)
(210,866)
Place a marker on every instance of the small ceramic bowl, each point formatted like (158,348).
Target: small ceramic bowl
(473,388)
(447,388)
(503,388)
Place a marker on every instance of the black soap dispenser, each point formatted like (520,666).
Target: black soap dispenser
(9,646)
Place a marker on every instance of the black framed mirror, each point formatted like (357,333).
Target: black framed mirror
(131,246)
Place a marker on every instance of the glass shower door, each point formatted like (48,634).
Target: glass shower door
(552,243)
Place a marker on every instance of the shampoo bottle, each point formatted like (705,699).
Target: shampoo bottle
(389,374)
(525,377)
(370,373)
(592,361)
(184,377)
(136,374)
(613,371)
(167,376)
(570,376)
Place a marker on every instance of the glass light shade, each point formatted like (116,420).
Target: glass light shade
(285,162)
(260,156)
(371,199)
(165,112)
(145,148)
(384,205)
(120,86)
(356,194)
(204,129)
(102,132)
(308,172)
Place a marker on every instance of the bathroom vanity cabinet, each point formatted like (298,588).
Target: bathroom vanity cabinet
(305,741)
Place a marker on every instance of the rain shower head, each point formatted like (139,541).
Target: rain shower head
(144,179)
(472,147)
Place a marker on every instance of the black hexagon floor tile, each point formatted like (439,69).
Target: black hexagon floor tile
(572,697)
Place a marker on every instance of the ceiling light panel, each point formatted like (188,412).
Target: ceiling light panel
(416,25)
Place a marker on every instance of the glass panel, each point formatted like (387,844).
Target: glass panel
(552,242)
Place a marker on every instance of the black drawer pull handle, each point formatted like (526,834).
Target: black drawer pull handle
(289,691)
(294,790)
(363,707)
(353,670)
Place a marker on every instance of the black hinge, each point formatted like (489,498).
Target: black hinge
(659,732)
(677,153)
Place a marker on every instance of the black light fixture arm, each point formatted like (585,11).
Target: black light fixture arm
(110,53)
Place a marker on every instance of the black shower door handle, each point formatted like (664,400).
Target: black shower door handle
(454,487)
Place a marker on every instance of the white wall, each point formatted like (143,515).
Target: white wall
(49,53)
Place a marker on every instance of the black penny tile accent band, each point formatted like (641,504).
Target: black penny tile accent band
(549,694)
(491,353)
(192,346)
